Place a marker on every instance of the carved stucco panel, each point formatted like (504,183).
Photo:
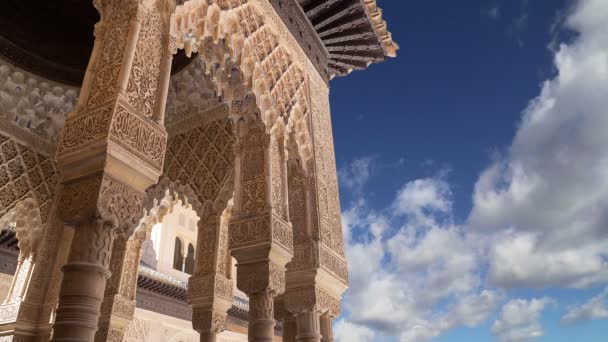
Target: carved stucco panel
(25,173)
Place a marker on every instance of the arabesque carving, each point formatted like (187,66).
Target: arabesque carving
(25,173)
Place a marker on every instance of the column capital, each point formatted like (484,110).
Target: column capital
(103,201)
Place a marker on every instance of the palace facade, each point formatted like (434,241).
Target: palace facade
(167,169)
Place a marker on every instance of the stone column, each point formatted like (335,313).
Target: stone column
(110,150)
(209,288)
(290,330)
(289,322)
(118,306)
(318,275)
(308,325)
(326,328)
(260,233)
(26,311)
(84,282)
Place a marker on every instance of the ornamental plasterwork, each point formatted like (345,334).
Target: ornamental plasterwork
(137,331)
(240,45)
(34,105)
(202,158)
(190,91)
(25,173)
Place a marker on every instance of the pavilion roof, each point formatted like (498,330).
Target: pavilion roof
(353,32)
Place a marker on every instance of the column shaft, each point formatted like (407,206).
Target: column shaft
(208,337)
(84,282)
(308,326)
(261,320)
(326,329)
(290,330)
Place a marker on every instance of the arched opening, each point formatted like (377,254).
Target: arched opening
(178,258)
(189,265)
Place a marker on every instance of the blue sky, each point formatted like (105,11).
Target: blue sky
(474,175)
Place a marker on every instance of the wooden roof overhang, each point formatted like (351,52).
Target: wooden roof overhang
(353,33)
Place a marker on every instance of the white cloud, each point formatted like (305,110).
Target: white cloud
(356,174)
(422,196)
(493,12)
(519,320)
(551,190)
(345,331)
(539,218)
(594,308)
(413,275)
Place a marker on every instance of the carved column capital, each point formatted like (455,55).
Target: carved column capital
(101,198)
(261,276)
(311,298)
(207,320)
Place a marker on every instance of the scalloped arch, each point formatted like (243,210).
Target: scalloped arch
(25,219)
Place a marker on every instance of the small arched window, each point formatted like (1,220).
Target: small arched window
(190,260)
(178,257)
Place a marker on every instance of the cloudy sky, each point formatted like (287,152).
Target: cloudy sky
(474,175)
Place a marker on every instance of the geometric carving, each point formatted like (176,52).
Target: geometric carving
(25,173)
(203,158)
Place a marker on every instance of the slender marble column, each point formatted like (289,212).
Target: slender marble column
(84,281)
(290,330)
(261,317)
(326,329)
(208,337)
(308,326)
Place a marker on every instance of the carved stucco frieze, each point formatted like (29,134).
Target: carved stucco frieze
(139,135)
